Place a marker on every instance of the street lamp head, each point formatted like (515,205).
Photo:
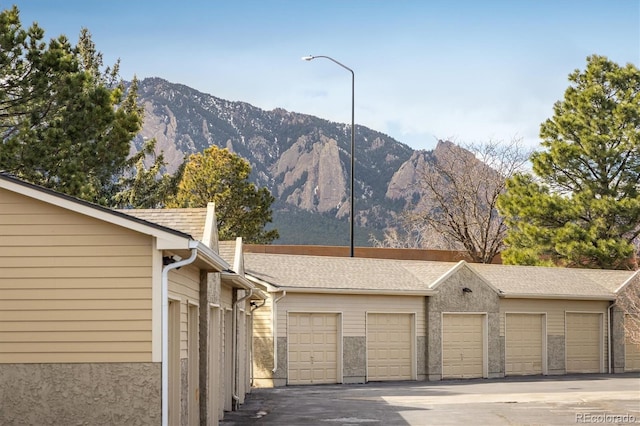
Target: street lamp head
(308,58)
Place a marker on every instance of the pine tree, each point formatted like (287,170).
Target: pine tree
(581,206)
(65,123)
(220,176)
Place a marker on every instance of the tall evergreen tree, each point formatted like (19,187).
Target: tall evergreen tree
(220,176)
(143,186)
(65,123)
(582,205)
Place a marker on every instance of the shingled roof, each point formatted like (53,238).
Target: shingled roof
(537,281)
(191,221)
(325,273)
(227,250)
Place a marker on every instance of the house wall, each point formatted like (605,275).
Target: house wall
(210,339)
(75,311)
(184,287)
(353,310)
(263,362)
(72,288)
(225,376)
(555,311)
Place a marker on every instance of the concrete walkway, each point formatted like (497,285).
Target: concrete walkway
(557,400)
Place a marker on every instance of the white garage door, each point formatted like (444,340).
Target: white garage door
(583,342)
(312,348)
(462,346)
(631,350)
(523,344)
(389,346)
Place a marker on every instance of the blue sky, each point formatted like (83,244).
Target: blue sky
(469,71)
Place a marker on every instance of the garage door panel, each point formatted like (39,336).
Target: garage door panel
(389,346)
(313,348)
(462,346)
(583,342)
(524,344)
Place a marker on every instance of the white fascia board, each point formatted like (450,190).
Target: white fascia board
(209,256)
(173,243)
(268,286)
(272,288)
(259,294)
(626,282)
(382,292)
(447,274)
(236,280)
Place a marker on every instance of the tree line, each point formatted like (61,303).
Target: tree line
(574,203)
(67,122)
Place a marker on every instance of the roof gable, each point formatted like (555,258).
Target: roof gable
(549,282)
(458,268)
(189,221)
(167,237)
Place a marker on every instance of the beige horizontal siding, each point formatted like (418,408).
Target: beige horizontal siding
(79,315)
(353,308)
(77,272)
(87,241)
(555,314)
(262,320)
(69,325)
(226,296)
(54,230)
(45,306)
(50,294)
(555,310)
(105,252)
(54,260)
(184,283)
(72,288)
(73,357)
(72,336)
(74,283)
(70,347)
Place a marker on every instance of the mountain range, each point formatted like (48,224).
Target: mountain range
(303,160)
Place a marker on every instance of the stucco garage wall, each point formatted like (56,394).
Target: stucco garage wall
(353,310)
(450,298)
(73,394)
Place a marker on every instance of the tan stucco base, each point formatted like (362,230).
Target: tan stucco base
(98,393)
(354,359)
(279,382)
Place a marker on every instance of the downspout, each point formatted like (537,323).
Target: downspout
(165,330)
(253,309)
(609,336)
(274,319)
(234,394)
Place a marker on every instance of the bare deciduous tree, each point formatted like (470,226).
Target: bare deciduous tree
(629,301)
(460,188)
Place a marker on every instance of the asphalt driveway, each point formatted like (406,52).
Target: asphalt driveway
(556,400)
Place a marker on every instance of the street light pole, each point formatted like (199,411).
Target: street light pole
(353,143)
